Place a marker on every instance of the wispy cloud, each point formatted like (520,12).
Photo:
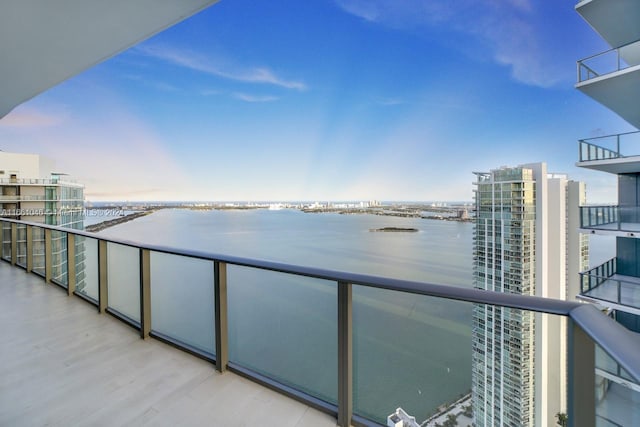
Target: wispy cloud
(508,28)
(152,83)
(210,92)
(202,63)
(29,117)
(253,98)
(388,102)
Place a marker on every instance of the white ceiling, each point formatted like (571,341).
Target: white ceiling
(618,91)
(44,42)
(617,21)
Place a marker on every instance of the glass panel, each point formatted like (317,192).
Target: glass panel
(617,396)
(440,359)
(285,327)
(38,251)
(22,245)
(87,267)
(123,280)
(396,363)
(6,241)
(182,300)
(59,257)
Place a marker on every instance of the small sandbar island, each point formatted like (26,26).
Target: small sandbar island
(393,230)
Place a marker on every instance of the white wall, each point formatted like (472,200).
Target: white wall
(25,165)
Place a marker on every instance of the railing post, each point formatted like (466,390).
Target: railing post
(145,293)
(220,301)
(578,71)
(48,256)
(102,277)
(14,243)
(345,354)
(618,144)
(29,248)
(582,367)
(71,263)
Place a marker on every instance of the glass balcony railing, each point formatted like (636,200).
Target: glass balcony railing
(354,346)
(608,62)
(609,147)
(604,283)
(20,198)
(610,218)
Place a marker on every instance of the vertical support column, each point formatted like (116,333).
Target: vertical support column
(14,243)
(102,277)
(29,248)
(345,354)
(71,263)
(145,293)
(581,371)
(222,331)
(48,256)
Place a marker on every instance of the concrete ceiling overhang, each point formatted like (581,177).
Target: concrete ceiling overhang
(615,20)
(615,166)
(44,42)
(618,91)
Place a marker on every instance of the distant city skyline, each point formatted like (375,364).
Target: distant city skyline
(331,100)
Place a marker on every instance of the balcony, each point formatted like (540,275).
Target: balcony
(615,21)
(324,338)
(81,369)
(604,284)
(612,220)
(619,153)
(613,79)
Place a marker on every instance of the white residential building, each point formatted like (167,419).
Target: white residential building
(31,190)
(526,242)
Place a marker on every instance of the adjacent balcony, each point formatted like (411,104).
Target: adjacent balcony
(603,283)
(611,219)
(38,181)
(615,21)
(613,79)
(352,346)
(618,153)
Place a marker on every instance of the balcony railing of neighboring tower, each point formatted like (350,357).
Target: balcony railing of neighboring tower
(609,146)
(162,291)
(599,217)
(611,218)
(608,62)
(605,284)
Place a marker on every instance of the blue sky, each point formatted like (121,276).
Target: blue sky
(326,100)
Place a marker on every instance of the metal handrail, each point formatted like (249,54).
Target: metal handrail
(524,302)
(609,136)
(615,153)
(580,63)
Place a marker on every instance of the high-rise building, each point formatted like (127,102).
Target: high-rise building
(31,190)
(526,242)
(616,283)
(612,78)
